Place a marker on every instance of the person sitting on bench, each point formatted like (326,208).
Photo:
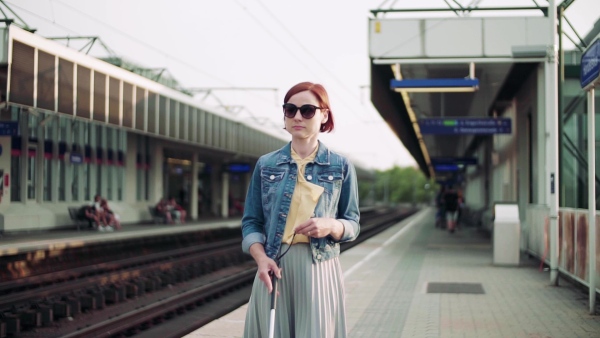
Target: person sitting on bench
(177,211)
(163,208)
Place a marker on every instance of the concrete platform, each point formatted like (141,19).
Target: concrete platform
(24,242)
(388,278)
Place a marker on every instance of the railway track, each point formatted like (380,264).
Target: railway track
(165,292)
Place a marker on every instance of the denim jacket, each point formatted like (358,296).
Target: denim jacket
(270,193)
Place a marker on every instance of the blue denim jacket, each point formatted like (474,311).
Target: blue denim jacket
(270,193)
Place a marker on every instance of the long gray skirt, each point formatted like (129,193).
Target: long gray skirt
(310,302)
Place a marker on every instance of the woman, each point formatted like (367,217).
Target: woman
(302,203)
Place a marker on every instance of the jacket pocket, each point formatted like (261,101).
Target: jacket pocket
(331,180)
(270,180)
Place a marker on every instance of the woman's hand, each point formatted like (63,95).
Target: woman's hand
(266,266)
(321,227)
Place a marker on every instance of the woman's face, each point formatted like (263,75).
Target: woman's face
(302,128)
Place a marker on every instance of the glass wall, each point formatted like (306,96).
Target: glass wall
(15,159)
(574,140)
(62,159)
(49,161)
(142,168)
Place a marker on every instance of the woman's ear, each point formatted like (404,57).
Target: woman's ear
(325,116)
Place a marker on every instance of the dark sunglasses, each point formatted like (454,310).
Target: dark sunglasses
(307,110)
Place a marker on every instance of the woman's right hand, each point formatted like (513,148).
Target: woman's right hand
(266,267)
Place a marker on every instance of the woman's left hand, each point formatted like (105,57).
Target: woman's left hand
(321,227)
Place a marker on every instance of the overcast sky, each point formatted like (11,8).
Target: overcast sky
(259,44)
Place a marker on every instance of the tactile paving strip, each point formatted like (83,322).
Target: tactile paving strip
(473,288)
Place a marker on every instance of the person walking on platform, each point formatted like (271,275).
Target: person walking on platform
(440,212)
(451,207)
(302,202)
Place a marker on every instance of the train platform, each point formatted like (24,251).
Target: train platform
(415,280)
(23,242)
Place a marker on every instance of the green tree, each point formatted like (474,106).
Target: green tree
(403,185)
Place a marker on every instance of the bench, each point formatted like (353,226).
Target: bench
(79,219)
(157,217)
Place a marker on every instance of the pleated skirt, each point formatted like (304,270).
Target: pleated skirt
(310,302)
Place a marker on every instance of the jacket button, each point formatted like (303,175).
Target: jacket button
(272,177)
(330,177)
(309,177)
(319,256)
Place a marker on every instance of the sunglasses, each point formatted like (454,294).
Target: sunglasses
(307,110)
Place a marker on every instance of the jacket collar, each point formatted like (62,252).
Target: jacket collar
(322,157)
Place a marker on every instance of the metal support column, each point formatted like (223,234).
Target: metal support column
(194,188)
(552,147)
(225,195)
(591,198)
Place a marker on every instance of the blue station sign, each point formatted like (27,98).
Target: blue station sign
(590,65)
(446,167)
(237,167)
(465,125)
(454,160)
(9,128)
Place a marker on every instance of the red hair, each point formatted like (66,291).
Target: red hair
(321,94)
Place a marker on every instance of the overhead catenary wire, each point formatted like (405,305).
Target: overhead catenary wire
(53,22)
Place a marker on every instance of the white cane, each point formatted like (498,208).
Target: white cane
(273,305)
(274,292)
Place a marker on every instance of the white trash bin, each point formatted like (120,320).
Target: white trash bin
(507,233)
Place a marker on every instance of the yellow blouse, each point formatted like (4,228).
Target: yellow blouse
(304,200)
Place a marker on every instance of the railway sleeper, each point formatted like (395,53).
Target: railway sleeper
(195,270)
(100,299)
(12,323)
(31,318)
(46,312)
(158,281)
(88,302)
(151,284)
(61,309)
(74,303)
(182,275)
(141,286)
(132,290)
(166,279)
(115,294)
